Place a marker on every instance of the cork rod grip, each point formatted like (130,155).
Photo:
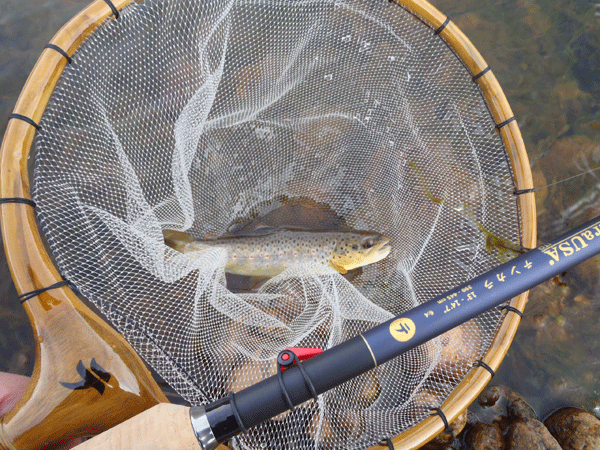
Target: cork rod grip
(164,426)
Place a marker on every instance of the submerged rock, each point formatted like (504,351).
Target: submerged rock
(575,429)
(586,67)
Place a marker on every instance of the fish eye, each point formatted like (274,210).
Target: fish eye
(367,243)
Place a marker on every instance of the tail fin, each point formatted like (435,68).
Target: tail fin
(177,240)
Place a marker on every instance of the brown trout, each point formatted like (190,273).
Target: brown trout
(269,255)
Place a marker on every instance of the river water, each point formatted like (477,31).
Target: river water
(546,56)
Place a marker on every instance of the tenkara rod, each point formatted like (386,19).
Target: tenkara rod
(219,421)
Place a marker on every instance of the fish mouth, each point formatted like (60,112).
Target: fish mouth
(380,251)
(384,249)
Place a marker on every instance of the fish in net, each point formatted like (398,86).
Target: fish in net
(214,118)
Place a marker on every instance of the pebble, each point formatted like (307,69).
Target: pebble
(489,396)
(530,434)
(575,429)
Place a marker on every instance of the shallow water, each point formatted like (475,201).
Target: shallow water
(546,56)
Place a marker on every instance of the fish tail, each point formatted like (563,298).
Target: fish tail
(177,240)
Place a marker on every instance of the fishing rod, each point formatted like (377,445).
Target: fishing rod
(219,421)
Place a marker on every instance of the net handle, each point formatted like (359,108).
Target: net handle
(86,377)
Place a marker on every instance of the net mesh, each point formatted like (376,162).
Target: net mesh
(213,116)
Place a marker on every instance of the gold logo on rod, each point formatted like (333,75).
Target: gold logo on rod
(403,329)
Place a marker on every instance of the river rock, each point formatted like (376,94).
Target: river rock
(517,408)
(502,421)
(575,429)
(489,396)
(485,436)
(530,434)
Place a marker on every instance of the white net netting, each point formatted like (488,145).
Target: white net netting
(212,117)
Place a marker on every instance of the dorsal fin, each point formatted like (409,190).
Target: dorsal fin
(250,231)
(264,230)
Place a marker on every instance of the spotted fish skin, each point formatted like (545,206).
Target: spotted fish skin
(269,255)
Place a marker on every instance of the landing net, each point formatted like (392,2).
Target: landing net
(215,116)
